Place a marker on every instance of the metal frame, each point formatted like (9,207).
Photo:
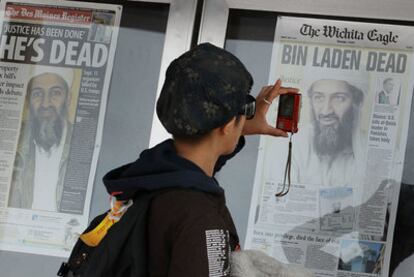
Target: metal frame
(178,38)
(215,12)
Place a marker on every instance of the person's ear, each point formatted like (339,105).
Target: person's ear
(69,98)
(228,128)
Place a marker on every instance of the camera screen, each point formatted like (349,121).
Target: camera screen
(286,103)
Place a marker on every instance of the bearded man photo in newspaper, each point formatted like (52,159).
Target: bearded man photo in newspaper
(327,154)
(43,148)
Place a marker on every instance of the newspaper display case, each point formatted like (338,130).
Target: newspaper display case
(292,228)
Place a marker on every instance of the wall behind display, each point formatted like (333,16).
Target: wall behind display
(128,116)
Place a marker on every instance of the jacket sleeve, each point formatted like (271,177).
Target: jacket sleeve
(223,159)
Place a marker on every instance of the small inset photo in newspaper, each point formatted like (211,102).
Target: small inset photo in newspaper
(388,91)
(101,27)
(336,210)
(361,256)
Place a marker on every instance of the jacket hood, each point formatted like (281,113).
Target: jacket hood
(158,168)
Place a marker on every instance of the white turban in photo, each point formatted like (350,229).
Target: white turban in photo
(66,74)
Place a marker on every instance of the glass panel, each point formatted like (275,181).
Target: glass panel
(250,36)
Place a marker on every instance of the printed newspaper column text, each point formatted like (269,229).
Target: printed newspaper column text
(11,99)
(380,126)
(83,140)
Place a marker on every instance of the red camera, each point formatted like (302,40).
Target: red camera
(289,112)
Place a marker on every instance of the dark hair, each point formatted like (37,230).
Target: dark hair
(191,138)
(198,137)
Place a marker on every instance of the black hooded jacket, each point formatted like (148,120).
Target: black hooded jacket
(190,230)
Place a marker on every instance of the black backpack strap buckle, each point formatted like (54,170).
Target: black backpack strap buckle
(63,270)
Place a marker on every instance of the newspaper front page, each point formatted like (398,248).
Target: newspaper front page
(55,64)
(356,84)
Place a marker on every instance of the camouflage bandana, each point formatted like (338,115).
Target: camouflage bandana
(203,89)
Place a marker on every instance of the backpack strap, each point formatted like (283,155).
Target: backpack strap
(80,252)
(103,260)
(118,209)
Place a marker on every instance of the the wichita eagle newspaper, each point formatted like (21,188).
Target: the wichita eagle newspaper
(55,64)
(356,81)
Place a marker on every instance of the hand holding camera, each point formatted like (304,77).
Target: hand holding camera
(258,124)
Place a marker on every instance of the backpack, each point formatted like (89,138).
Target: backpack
(122,252)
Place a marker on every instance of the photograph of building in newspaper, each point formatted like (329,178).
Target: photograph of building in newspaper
(361,256)
(336,210)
